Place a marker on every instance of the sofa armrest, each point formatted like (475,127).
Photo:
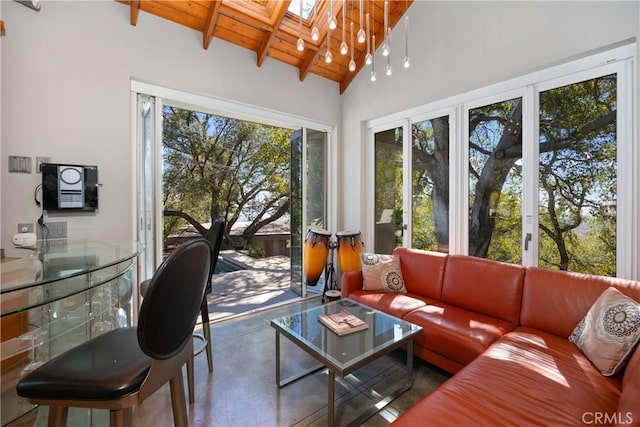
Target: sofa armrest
(351,281)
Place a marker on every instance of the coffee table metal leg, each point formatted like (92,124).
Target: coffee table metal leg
(296,377)
(331,383)
(385,401)
(409,364)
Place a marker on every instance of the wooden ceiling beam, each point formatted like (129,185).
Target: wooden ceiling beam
(265,45)
(210,23)
(135,8)
(307,63)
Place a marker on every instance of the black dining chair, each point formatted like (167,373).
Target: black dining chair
(214,237)
(123,367)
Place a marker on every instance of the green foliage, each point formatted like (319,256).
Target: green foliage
(255,252)
(577,179)
(216,166)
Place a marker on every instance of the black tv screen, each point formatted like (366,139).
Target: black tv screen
(67,187)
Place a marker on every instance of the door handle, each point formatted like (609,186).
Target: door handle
(527,239)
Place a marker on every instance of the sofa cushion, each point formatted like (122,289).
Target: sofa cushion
(381,273)
(609,332)
(455,333)
(422,271)
(485,286)
(527,377)
(555,301)
(390,302)
(629,404)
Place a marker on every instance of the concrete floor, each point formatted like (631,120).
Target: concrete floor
(241,392)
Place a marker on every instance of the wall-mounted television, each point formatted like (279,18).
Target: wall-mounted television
(67,187)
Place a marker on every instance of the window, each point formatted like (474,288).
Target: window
(539,170)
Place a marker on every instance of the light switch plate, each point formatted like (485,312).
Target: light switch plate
(19,164)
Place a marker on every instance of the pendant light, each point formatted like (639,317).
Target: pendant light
(389,69)
(333,22)
(385,44)
(327,56)
(315,33)
(300,43)
(373,60)
(361,35)
(367,57)
(407,62)
(352,63)
(344,48)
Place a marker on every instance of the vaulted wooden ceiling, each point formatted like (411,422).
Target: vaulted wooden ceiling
(269,29)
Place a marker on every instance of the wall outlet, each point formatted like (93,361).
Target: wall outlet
(57,230)
(25,228)
(40,161)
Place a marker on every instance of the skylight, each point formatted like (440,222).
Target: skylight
(307,7)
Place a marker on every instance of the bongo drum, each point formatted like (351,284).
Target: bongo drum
(314,255)
(350,246)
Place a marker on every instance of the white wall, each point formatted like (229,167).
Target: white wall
(461,46)
(66,74)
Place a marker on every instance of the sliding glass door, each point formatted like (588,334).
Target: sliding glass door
(549,196)
(198,159)
(388,178)
(541,175)
(495,182)
(309,153)
(429,173)
(578,176)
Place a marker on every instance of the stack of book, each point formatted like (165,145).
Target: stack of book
(343,322)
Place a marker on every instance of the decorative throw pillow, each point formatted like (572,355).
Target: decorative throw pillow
(382,273)
(609,332)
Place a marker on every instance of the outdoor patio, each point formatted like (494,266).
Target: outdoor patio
(256,285)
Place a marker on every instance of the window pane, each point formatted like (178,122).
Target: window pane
(495,181)
(578,181)
(388,190)
(430,184)
(315,167)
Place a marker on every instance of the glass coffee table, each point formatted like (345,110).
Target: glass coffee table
(342,355)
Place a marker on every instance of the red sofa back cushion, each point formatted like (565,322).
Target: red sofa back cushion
(422,271)
(484,286)
(555,301)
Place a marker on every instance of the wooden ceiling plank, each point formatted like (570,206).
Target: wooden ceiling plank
(267,39)
(210,23)
(135,8)
(267,28)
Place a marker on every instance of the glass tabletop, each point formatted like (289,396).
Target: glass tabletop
(58,269)
(345,353)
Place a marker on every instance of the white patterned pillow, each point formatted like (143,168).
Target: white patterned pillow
(381,273)
(609,332)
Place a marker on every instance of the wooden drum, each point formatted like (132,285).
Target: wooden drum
(314,255)
(350,246)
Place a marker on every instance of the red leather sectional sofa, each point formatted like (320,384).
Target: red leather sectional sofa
(503,330)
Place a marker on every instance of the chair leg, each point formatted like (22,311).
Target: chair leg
(178,404)
(206,330)
(190,380)
(57,416)
(121,418)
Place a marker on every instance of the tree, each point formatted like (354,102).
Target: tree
(577,177)
(221,167)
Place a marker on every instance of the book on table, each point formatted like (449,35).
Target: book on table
(343,322)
